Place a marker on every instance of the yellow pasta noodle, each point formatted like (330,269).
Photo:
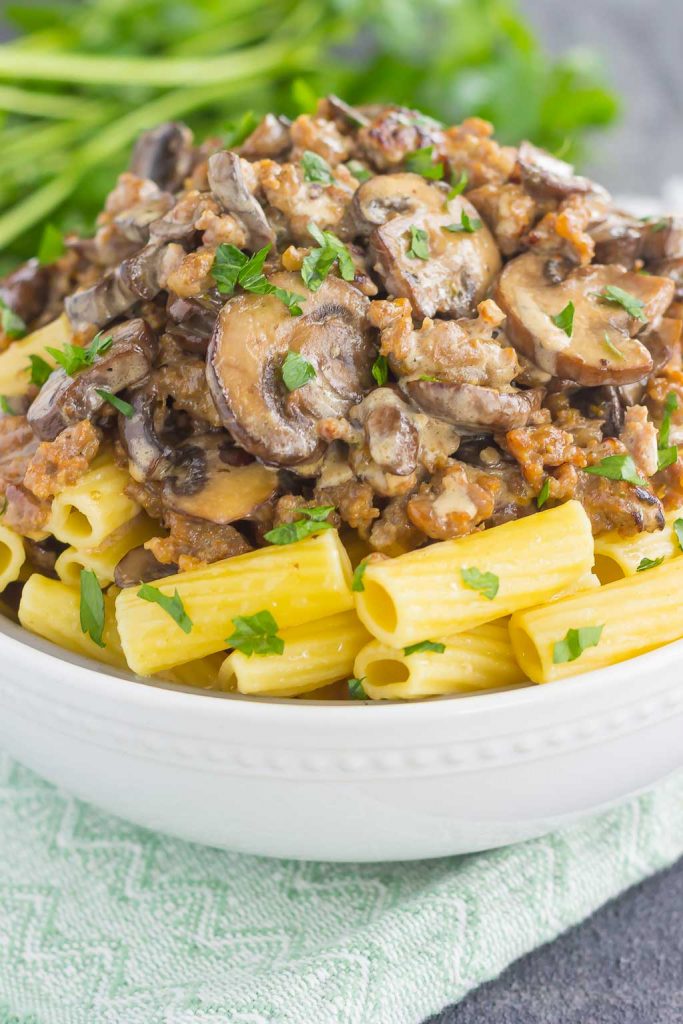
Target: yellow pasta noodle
(616,556)
(637,614)
(297,583)
(422,594)
(104,559)
(202,673)
(52,610)
(15,362)
(479,659)
(89,511)
(12,556)
(315,654)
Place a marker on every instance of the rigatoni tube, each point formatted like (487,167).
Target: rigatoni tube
(296,583)
(636,614)
(15,360)
(12,556)
(104,559)
(315,654)
(89,511)
(617,556)
(424,595)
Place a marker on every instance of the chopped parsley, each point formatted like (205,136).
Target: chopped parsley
(125,408)
(425,645)
(633,306)
(314,521)
(468,225)
(670,406)
(380,371)
(487,583)
(232,267)
(575,643)
(421,161)
(39,369)
(649,563)
(318,263)
(73,358)
(173,606)
(4,405)
(565,319)
(458,186)
(612,347)
(678,532)
(316,169)
(430,378)
(357,584)
(618,467)
(12,325)
(51,245)
(92,607)
(357,169)
(356,690)
(419,243)
(256,634)
(543,494)
(296,371)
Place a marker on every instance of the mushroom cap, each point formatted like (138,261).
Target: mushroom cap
(546,177)
(228,185)
(474,408)
(529,301)
(252,337)
(384,196)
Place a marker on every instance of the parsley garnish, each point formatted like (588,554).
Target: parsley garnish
(356,691)
(459,186)
(73,358)
(667,454)
(92,607)
(125,408)
(430,378)
(232,267)
(357,169)
(421,161)
(419,243)
(12,325)
(256,634)
(316,169)
(424,645)
(358,573)
(380,370)
(678,531)
(565,319)
(318,263)
(173,606)
(39,369)
(4,405)
(466,224)
(314,521)
(51,245)
(575,643)
(543,494)
(649,563)
(633,306)
(612,347)
(486,583)
(618,467)
(296,371)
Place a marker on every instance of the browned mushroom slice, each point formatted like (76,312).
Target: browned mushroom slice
(662,239)
(602,348)
(253,335)
(473,407)
(662,340)
(270,138)
(345,113)
(617,238)
(461,262)
(228,185)
(223,493)
(140,566)
(546,177)
(386,195)
(26,290)
(64,400)
(164,155)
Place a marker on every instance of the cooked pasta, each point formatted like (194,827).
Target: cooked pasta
(631,616)
(15,361)
(89,511)
(617,556)
(479,659)
(12,556)
(203,673)
(104,559)
(314,655)
(295,583)
(423,594)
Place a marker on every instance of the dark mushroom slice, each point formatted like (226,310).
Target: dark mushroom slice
(662,239)
(135,224)
(228,185)
(149,458)
(671,268)
(64,400)
(269,139)
(386,195)
(26,290)
(135,278)
(192,320)
(474,408)
(164,155)
(253,335)
(546,177)
(662,340)
(345,113)
(617,238)
(140,566)
(602,348)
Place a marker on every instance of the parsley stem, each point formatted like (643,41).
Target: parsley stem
(45,104)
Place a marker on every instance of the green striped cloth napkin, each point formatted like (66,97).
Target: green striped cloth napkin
(104,923)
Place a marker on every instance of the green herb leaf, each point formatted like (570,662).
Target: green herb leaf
(125,408)
(291,299)
(575,643)
(227,263)
(429,378)
(419,243)
(12,325)
(4,405)
(380,370)
(92,607)
(73,358)
(633,306)
(237,130)
(565,319)
(39,369)
(678,531)
(318,263)
(425,645)
(296,371)
(670,406)
(357,584)
(612,347)
(543,494)
(466,224)
(356,691)
(51,245)
(421,161)
(173,606)
(316,169)
(314,521)
(649,563)
(458,186)
(256,634)
(666,457)
(487,583)
(232,267)
(618,467)
(360,173)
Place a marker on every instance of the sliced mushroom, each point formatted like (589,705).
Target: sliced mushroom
(617,238)
(228,185)
(546,177)
(662,340)
(164,155)
(253,335)
(140,566)
(474,408)
(64,400)
(25,290)
(387,195)
(345,113)
(530,301)
(135,223)
(269,139)
(148,457)
(134,279)
(662,239)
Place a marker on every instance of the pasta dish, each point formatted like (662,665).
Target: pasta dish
(360,407)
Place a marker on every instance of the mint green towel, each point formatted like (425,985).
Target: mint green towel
(104,923)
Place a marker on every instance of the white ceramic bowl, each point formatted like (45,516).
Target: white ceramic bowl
(341,782)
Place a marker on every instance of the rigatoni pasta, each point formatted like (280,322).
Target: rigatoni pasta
(12,557)
(617,556)
(86,513)
(104,559)
(15,360)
